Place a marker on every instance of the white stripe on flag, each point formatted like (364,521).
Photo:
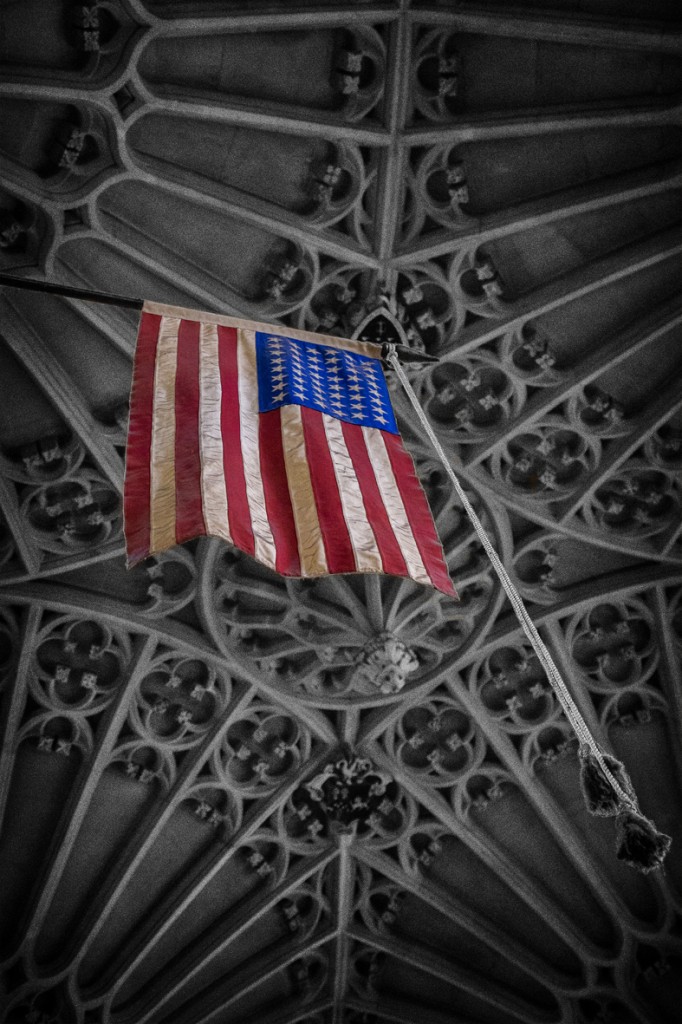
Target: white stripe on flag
(213,493)
(393,503)
(162,452)
(264,542)
(363,541)
(308,533)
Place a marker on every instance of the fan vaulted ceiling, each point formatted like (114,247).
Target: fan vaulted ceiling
(228,797)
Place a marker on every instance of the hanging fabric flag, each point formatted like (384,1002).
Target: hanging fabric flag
(281,442)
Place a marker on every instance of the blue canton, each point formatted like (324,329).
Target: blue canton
(343,384)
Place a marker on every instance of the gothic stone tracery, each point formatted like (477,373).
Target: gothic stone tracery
(227,795)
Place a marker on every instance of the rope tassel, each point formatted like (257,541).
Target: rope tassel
(605,783)
(600,797)
(638,842)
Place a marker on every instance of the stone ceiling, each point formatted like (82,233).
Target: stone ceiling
(231,798)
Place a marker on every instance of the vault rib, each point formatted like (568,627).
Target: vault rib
(394,1011)
(178,635)
(226,301)
(543,210)
(635,547)
(598,273)
(59,564)
(13,706)
(116,325)
(431,963)
(626,343)
(272,117)
(544,121)
(577,852)
(32,352)
(643,426)
(615,586)
(148,830)
(390,186)
(251,209)
(344,880)
(214,942)
(83,792)
(167,912)
(256,971)
(452,907)
(670,670)
(571,29)
(672,540)
(294,17)
(518,880)
(27,548)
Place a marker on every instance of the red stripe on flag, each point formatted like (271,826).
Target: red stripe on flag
(237,504)
(136,501)
(418,513)
(335,535)
(189,518)
(389,549)
(276,488)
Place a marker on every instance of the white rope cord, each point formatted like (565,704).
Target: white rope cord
(544,657)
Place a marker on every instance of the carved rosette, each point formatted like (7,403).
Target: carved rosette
(348,795)
(383,665)
(320,639)
(79,665)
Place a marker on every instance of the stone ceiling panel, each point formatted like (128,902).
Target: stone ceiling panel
(349,800)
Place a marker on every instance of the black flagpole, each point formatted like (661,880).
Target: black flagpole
(30,284)
(407,355)
(88,295)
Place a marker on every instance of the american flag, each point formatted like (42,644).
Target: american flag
(282,442)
